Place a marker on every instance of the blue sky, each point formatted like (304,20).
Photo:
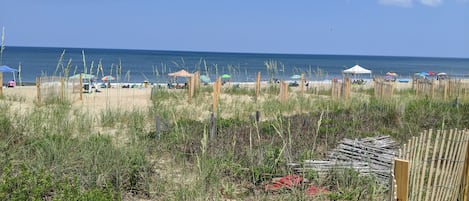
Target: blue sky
(357,27)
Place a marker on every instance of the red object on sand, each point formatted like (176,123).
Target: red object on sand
(314,190)
(288,181)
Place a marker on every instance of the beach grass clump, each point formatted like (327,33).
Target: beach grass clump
(22,183)
(95,160)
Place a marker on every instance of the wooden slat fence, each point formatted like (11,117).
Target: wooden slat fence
(383,88)
(54,87)
(437,161)
(341,89)
(444,89)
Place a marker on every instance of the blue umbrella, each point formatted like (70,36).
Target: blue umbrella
(423,74)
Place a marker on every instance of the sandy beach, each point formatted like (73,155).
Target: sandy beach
(133,98)
(122,98)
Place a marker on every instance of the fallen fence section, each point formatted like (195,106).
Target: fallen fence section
(368,156)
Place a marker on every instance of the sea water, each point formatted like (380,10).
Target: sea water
(154,65)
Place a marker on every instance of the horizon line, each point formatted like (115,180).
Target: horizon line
(234,52)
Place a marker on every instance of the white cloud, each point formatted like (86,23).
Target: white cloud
(431,2)
(401,3)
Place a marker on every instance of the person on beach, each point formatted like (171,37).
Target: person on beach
(11,83)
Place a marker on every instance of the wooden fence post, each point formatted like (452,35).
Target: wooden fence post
(62,92)
(401,171)
(286,91)
(38,91)
(213,126)
(332,89)
(416,87)
(258,85)
(1,84)
(302,84)
(381,95)
(445,90)
(216,91)
(465,184)
(189,89)
(81,87)
(158,126)
(258,116)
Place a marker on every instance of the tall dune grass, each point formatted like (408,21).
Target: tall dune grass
(118,154)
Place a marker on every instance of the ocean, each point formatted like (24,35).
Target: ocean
(154,65)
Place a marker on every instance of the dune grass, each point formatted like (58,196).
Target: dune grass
(56,152)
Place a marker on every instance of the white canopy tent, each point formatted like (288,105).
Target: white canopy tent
(357,70)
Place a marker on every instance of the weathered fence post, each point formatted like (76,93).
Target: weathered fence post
(213,126)
(332,88)
(302,84)
(401,171)
(81,86)
(38,91)
(258,85)
(189,89)
(433,89)
(158,126)
(62,92)
(258,116)
(445,90)
(465,184)
(1,84)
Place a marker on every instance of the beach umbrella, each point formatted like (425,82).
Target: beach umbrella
(205,78)
(391,73)
(295,77)
(442,73)
(226,76)
(108,78)
(423,74)
(181,73)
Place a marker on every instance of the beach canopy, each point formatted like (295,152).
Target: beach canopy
(6,69)
(357,70)
(226,76)
(83,76)
(181,73)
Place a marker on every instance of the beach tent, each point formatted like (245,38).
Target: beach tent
(7,69)
(357,70)
(83,76)
(181,73)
